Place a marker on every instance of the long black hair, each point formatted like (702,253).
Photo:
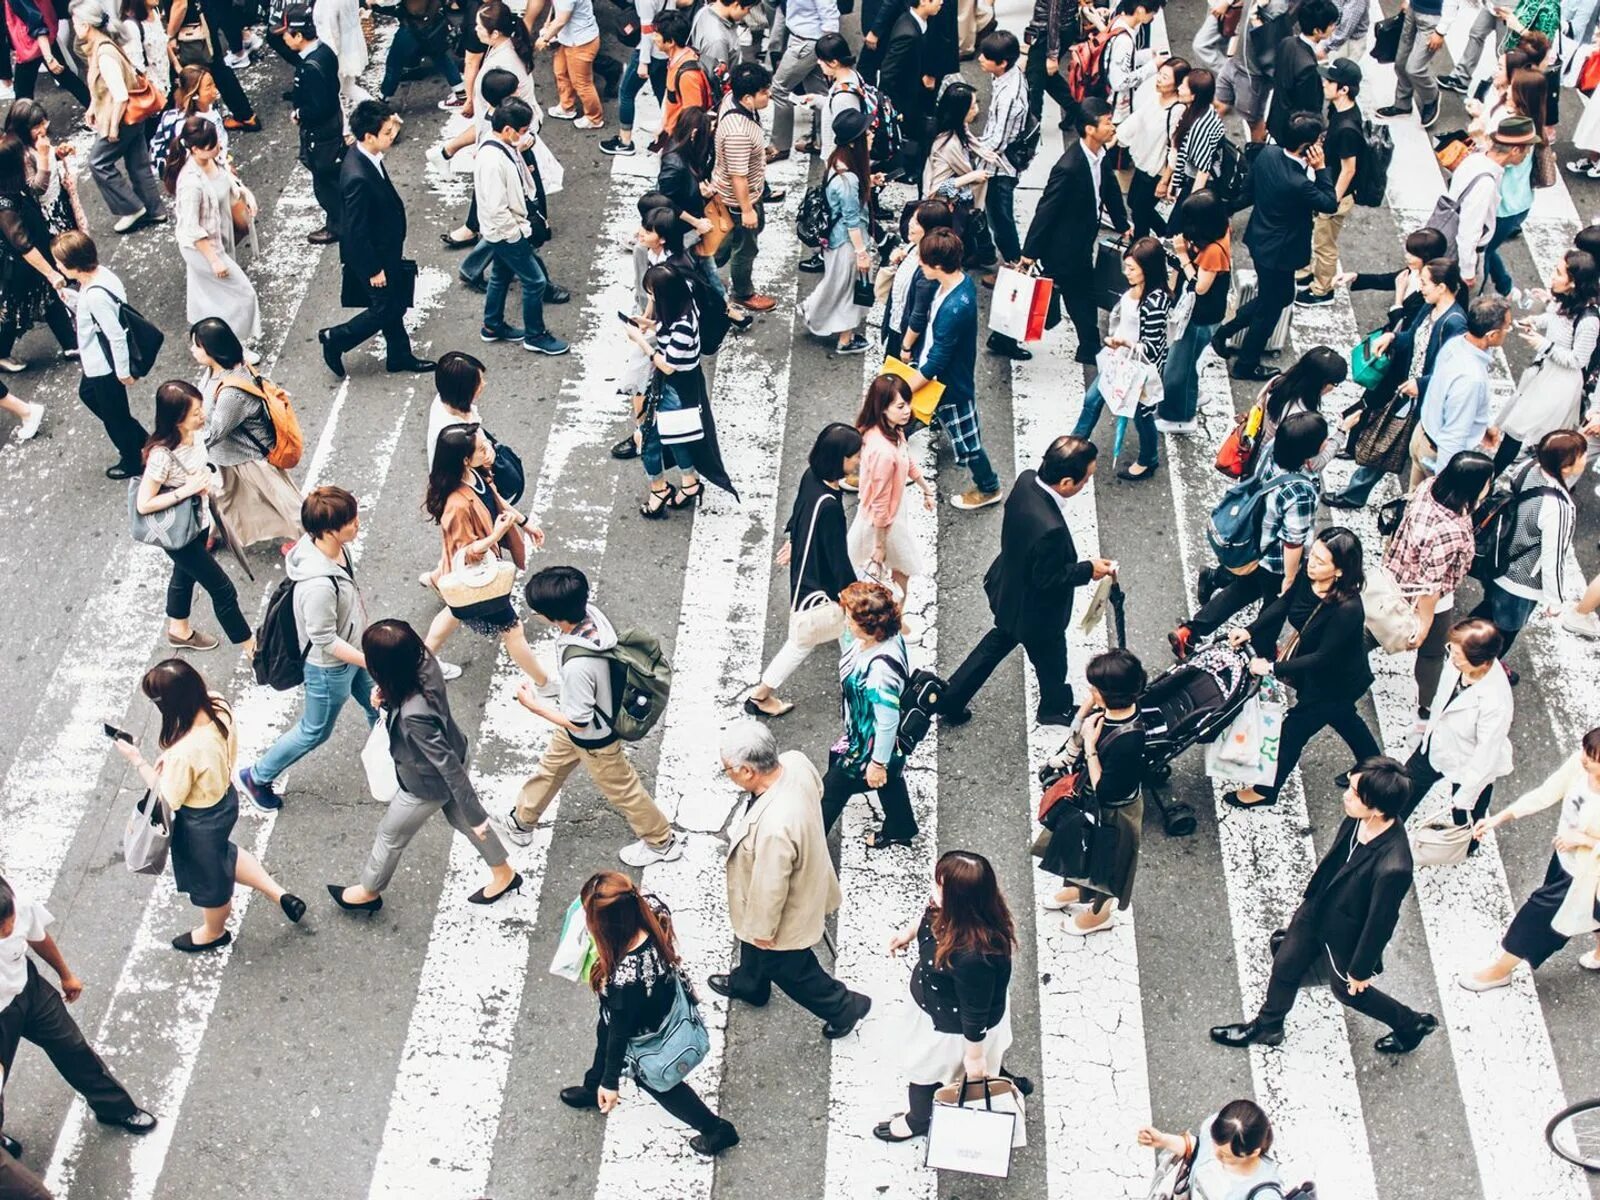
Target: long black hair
(1460,482)
(834,444)
(674,298)
(217,338)
(1584,293)
(1313,372)
(950,113)
(1345,548)
(452,454)
(1152,260)
(395,655)
(855,157)
(14,170)
(1202,86)
(694,140)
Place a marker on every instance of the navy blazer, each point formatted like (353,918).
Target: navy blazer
(953,342)
(1285,200)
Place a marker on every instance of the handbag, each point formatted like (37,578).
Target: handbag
(1122,378)
(1390,514)
(383,782)
(575,952)
(1020,304)
(193,44)
(147,837)
(170,528)
(680,426)
(1171,1178)
(1002,1096)
(510,477)
(1367,367)
(1390,619)
(1451,148)
(1589,73)
(1237,455)
(1247,752)
(1544,173)
(1440,842)
(464,584)
(862,293)
(721,226)
(145,99)
(967,1138)
(815,618)
(1386,38)
(661,1060)
(1228,22)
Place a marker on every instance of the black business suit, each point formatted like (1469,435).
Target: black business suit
(905,62)
(376,218)
(1062,236)
(1348,915)
(1285,199)
(321,119)
(1296,86)
(1030,586)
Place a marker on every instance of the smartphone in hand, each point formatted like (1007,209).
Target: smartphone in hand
(116,734)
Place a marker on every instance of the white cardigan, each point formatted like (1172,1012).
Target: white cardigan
(1576,914)
(1468,738)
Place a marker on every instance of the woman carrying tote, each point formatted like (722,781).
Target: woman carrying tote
(818,558)
(958,1024)
(1229,1155)
(430,763)
(1567,903)
(669,337)
(1204,250)
(118,146)
(831,309)
(637,976)
(881,541)
(259,502)
(194,779)
(206,192)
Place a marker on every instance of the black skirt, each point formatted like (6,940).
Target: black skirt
(490,618)
(203,856)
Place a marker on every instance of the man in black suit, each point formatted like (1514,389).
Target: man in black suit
(908,79)
(1348,915)
(1030,584)
(318,113)
(1296,83)
(1082,187)
(377,273)
(1290,183)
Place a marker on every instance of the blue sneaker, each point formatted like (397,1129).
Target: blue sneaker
(505,333)
(261,794)
(545,343)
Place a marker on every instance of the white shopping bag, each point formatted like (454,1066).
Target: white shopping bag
(976,1124)
(1122,378)
(1019,305)
(1247,753)
(575,952)
(382,781)
(551,173)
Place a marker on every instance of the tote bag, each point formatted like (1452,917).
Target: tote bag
(1019,306)
(813,618)
(147,836)
(973,1134)
(1390,618)
(1247,753)
(382,781)
(170,528)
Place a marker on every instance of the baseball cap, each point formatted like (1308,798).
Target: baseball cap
(297,19)
(1342,71)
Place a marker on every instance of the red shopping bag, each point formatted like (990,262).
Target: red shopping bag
(1020,303)
(1589,74)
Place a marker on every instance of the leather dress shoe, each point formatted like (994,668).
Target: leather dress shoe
(722,985)
(330,355)
(322,237)
(138,1121)
(1405,1041)
(626,448)
(1255,373)
(1248,1034)
(959,716)
(580,1097)
(417,365)
(863,1005)
(11,1146)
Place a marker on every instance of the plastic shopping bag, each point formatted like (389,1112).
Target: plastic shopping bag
(575,952)
(1247,753)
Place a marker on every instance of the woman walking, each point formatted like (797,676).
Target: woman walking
(958,1024)
(881,541)
(1196,145)
(1567,903)
(475,523)
(176,471)
(258,502)
(816,551)
(831,308)
(119,146)
(1229,1154)
(206,193)
(637,976)
(911,291)
(194,779)
(31,28)
(32,282)
(1138,326)
(1550,393)
(194,93)
(49,170)
(188,26)
(958,166)
(1148,136)
(1325,660)
(1204,248)
(430,762)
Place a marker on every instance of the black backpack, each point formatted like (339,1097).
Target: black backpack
(1372,177)
(1495,524)
(814,218)
(280,661)
(144,339)
(921,693)
(713,309)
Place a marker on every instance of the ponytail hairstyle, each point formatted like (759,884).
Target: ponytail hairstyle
(186,87)
(498,18)
(616,912)
(198,133)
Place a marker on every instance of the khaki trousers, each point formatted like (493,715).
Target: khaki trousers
(614,778)
(971,16)
(574,68)
(1325,230)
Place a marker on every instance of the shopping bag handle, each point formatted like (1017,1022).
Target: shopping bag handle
(961,1097)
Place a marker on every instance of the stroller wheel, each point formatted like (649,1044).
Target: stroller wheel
(1178,820)
(1160,773)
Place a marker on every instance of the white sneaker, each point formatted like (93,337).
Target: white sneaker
(562,114)
(237,61)
(449,670)
(437,157)
(1177,426)
(586,123)
(126,223)
(252,41)
(1590,961)
(31,422)
(643,854)
(513,830)
(1583,624)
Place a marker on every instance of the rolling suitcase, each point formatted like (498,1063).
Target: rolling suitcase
(1244,291)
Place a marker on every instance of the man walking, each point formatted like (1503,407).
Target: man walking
(1421,37)
(320,116)
(1456,408)
(103,349)
(1347,917)
(1475,187)
(1008,117)
(740,176)
(781,883)
(378,278)
(1343,149)
(1031,583)
(329,615)
(797,72)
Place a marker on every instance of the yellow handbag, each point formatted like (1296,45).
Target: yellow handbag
(925,399)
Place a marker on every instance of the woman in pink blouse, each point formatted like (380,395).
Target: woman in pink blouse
(880,537)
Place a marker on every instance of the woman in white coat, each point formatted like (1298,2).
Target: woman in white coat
(338,25)
(1467,739)
(206,192)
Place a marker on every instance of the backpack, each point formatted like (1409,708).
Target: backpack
(641,681)
(714,85)
(1372,177)
(1230,182)
(1235,525)
(1446,215)
(288,443)
(921,693)
(1086,65)
(280,660)
(883,121)
(713,310)
(1494,524)
(144,339)
(814,218)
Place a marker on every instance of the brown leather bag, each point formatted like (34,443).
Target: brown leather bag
(721,226)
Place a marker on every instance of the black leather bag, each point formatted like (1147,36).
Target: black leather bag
(356,292)
(1386,38)
(1264,39)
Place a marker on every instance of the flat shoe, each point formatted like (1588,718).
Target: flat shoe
(1590,961)
(1473,984)
(186,943)
(1232,799)
(579,1097)
(884,1130)
(755,710)
(1077,930)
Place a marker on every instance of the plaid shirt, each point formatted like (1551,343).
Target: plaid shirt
(1433,548)
(1290,517)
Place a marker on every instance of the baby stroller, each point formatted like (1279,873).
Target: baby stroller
(1190,704)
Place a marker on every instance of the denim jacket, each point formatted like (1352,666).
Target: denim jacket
(844,202)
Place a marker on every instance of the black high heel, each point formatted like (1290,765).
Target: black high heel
(336,890)
(655,509)
(684,498)
(293,907)
(479,896)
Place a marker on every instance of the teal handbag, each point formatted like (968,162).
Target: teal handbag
(1366,368)
(661,1060)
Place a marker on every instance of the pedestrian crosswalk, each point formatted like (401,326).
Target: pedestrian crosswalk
(420,1051)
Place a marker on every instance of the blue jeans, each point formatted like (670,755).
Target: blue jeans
(327,688)
(1504,229)
(505,260)
(407,48)
(707,265)
(631,83)
(1362,481)
(652,452)
(1508,613)
(1144,423)
(1001,206)
(1181,380)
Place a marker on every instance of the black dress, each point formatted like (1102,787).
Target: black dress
(26,296)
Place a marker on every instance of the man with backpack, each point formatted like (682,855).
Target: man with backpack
(325,617)
(1245,82)
(689,84)
(103,351)
(1345,146)
(592,664)
(714,34)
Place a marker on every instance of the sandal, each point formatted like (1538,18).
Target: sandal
(455,243)
(684,498)
(876,840)
(753,707)
(655,508)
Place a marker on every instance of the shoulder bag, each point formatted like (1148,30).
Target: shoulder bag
(490,578)
(147,836)
(170,528)
(193,44)
(1384,442)
(814,618)
(1440,842)
(661,1060)
(722,224)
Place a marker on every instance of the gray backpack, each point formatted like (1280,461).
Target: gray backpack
(1446,217)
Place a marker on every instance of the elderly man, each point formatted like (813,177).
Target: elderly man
(781,885)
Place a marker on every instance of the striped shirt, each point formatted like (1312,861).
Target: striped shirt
(1153,308)
(680,342)
(1008,113)
(1201,149)
(741,150)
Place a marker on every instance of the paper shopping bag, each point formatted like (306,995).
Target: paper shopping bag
(1002,1097)
(1019,306)
(382,781)
(575,952)
(972,1137)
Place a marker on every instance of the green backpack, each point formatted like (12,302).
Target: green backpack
(641,681)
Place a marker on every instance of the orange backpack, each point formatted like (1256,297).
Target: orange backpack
(288,443)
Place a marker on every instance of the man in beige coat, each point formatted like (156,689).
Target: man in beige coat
(781,884)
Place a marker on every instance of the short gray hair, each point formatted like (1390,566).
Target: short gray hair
(100,15)
(750,744)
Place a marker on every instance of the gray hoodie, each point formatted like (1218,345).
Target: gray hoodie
(586,696)
(327,604)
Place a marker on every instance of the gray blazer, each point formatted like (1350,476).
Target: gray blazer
(428,747)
